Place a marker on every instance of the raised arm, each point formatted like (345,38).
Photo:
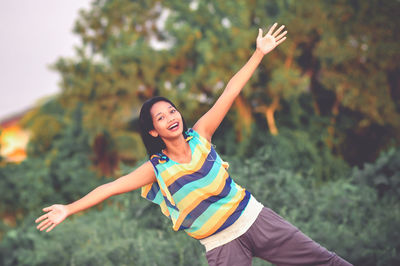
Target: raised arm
(210,121)
(57,213)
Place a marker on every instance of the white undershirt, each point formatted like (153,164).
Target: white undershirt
(238,228)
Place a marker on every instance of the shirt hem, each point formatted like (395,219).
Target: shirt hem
(238,228)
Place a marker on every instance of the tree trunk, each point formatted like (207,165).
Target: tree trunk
(335,112)
(243,125)
(269,112)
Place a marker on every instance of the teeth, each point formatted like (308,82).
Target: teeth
(173,125)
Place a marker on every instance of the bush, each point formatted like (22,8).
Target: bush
(349,214)
(108,237)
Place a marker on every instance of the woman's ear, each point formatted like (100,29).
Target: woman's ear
(154,133)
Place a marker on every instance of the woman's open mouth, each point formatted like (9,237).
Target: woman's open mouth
(174,126)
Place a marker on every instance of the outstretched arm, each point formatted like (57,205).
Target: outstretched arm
(57,213)
(210,121)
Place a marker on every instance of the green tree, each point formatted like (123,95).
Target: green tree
(189,50)
(358,52)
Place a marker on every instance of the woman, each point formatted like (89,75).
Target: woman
(188,179)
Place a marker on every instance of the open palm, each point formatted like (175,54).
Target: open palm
(272,39)
(54,216)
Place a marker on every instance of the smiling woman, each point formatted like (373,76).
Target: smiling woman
(153,143)
(187,178)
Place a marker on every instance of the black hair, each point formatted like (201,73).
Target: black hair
(153,145)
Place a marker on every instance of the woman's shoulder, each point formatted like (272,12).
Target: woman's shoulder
(190,133)
(201,133)
(157,159)
(199,140)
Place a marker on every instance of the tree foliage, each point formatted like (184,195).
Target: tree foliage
(132,50)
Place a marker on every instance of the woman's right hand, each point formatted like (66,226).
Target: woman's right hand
(54,216)
(139,177)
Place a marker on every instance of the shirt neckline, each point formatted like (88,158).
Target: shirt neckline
(191,154)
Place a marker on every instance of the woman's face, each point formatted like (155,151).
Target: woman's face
(167,121)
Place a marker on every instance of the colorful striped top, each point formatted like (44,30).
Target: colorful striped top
(199,197)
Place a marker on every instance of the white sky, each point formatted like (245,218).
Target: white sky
(33,35)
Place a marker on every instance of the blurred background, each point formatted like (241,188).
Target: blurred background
(315,134)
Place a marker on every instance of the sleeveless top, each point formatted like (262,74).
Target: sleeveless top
(199,197)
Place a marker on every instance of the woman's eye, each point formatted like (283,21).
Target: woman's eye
(173,111)
(160,118)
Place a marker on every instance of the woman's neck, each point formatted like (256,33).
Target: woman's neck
(178,150)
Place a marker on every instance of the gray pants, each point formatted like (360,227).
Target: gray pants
(273,239)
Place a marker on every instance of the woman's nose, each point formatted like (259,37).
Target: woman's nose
(169,118)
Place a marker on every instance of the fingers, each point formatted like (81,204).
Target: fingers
(259,33)
(280,41)
(51,228)
(277,38)
(48,209)
(272,29)
(44,216)
(278,31)
(43,225)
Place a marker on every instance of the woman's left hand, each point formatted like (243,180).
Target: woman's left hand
(54,216)
(271,40)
